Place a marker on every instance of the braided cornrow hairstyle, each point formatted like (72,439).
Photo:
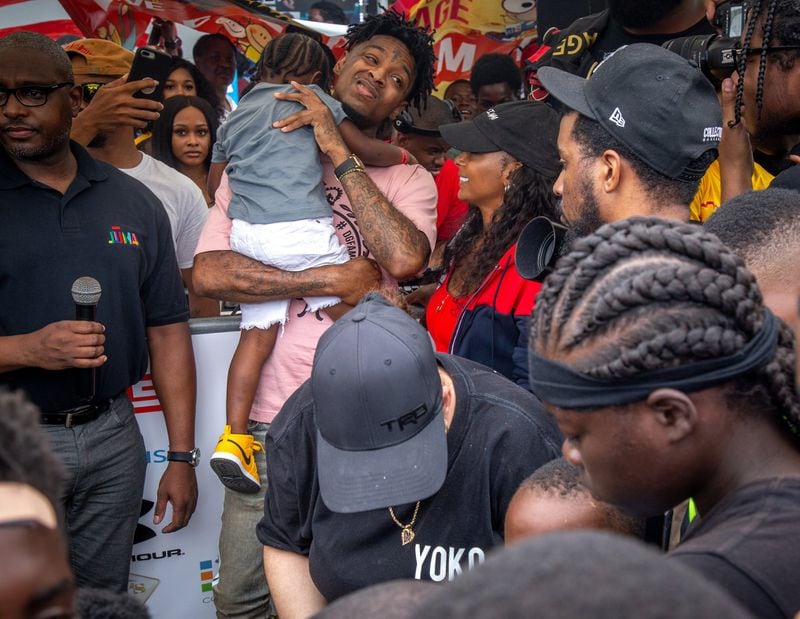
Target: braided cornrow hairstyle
(645,294)
(529,195)
(417,39)
(298,54)
(785,32)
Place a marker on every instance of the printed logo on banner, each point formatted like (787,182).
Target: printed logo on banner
(206,576)
(141,587)
(143,396)
(143,532)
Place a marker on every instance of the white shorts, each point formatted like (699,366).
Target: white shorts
(289,246)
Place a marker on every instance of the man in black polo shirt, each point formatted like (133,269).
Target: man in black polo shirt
(64,215)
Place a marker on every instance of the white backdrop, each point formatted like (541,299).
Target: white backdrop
(172,573)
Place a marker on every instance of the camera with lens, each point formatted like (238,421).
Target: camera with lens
(730,18)
(715,54)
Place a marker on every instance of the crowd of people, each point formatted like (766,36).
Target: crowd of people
(404,401)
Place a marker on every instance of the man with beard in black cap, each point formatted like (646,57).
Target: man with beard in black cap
(589,40)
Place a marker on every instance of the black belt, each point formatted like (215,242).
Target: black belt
(76,416)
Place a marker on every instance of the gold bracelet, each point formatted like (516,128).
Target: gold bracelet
(351,171)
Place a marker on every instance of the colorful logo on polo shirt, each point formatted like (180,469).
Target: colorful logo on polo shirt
(118,236)
(206,575)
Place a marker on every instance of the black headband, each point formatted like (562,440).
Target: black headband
(562,386)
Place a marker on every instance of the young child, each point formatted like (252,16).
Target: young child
(280,217)
(554,498)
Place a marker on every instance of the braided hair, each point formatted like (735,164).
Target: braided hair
(645,294)
(528,195)
(295,53)
(785,32)
(417,39)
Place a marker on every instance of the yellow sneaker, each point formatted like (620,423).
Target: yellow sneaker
(234,463)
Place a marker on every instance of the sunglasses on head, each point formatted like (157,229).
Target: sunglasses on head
(89,90)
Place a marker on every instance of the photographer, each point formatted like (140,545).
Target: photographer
(624,22)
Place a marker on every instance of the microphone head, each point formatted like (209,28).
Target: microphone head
(86,291)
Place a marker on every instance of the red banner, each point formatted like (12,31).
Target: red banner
(44,16)
(248,24)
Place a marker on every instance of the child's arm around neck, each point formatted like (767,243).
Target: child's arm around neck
(372,151)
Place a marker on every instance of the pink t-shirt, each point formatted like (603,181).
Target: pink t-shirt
(409,188)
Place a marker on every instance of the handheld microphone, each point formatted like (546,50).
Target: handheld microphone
(86,293)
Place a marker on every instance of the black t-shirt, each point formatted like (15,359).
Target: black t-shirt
(499,435)
(108,226)
(749,544)
(579,47)
(615,36)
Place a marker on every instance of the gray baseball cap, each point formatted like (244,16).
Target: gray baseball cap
(378,409)
(656,103)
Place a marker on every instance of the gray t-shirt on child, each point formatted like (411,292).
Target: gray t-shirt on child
(274,176)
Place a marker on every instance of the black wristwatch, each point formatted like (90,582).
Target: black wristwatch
(348,166)
(192,458)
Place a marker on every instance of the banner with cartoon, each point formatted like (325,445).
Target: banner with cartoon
(249,24)
(467,29)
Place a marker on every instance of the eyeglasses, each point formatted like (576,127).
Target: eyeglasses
(30,96)
(89,90)
(739,52)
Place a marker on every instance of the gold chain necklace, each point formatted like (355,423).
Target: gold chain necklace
(407,534)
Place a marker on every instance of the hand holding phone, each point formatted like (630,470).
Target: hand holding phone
(148,62)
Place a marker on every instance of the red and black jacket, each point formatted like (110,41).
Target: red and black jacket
(492,324)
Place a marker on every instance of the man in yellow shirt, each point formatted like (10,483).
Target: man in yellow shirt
(709,192)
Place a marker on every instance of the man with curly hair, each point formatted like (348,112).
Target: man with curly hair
(385,216)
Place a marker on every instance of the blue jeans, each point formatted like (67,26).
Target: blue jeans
(105,463)
(241,590)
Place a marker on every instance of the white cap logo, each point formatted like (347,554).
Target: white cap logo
(492,114)
(712,134)
(616,118)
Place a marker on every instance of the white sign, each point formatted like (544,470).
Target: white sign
(173,573)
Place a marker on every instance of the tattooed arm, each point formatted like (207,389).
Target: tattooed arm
(223,274)
(393,239)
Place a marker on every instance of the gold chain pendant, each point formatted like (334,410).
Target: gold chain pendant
(407,534)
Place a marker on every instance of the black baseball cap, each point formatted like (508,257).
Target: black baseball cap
(655,102)
(527,130)
(378,408)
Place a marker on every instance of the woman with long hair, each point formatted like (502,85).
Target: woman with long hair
(183,137)
(507,166)
(186,79)
(669,378)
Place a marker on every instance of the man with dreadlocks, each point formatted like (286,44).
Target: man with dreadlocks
(768,84)
(762,99)
(669,378)
(387,214)
(280,216)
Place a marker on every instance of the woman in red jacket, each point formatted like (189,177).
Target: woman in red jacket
(507,166)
